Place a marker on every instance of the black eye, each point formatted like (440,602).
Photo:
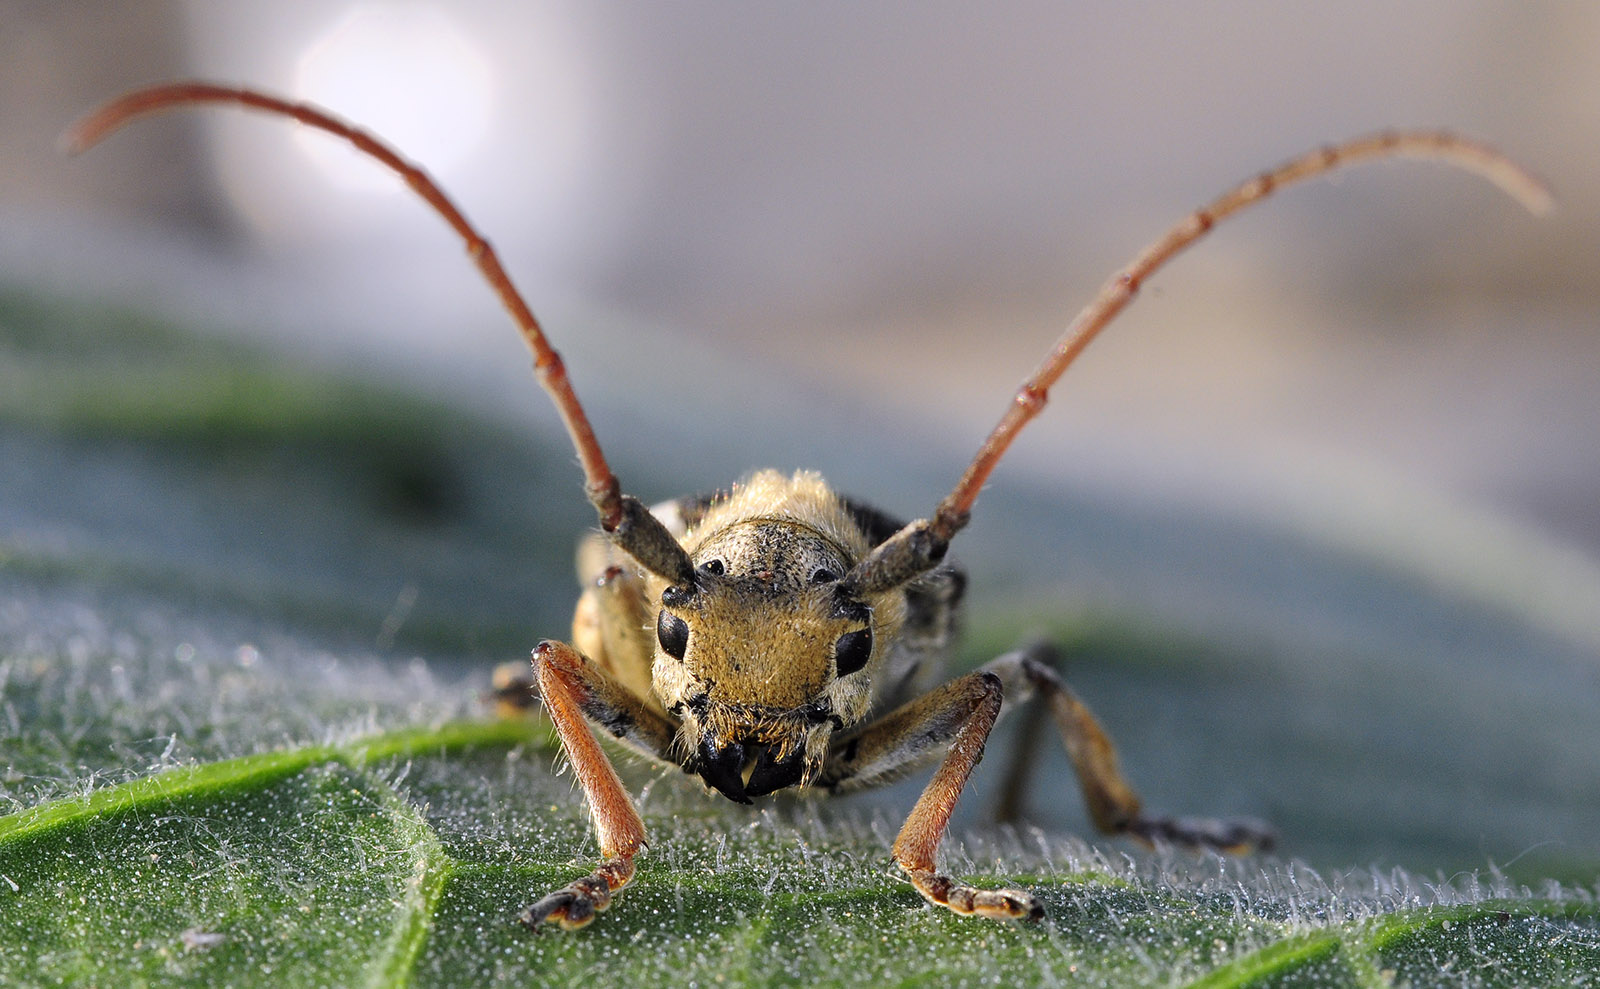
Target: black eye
(673,634)
(712,566)
(823,575)
(852,651)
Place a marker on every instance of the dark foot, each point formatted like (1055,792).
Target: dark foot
(998,904)
(575,905)
(1238,836)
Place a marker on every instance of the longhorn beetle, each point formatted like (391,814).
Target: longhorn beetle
(774,635)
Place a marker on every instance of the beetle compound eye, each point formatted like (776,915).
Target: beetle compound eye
(852,651)
(823,575)
(712,566)
(673,634)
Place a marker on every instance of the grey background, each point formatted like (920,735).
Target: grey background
(1350,436)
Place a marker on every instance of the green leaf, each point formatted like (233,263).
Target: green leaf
(403,858)
(221,762)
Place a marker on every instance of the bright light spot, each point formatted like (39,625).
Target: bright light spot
(405,72)
(495,100)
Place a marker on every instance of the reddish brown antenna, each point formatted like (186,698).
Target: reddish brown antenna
(921,544)
(602,486)
(1439,146)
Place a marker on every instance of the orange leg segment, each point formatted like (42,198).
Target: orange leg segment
(917,846)
(565,685)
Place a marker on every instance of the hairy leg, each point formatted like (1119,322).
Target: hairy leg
(957,718)
(573,691)
(1113,806)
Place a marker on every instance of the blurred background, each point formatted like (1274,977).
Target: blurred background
(837,235)
(894,207)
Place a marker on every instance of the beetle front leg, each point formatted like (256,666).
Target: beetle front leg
(961,713)
(571,690)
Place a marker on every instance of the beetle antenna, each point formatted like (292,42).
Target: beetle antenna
(620,515)
(921,545)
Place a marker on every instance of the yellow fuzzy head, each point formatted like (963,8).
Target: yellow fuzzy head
(762,659)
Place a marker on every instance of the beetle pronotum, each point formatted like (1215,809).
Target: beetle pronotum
(776,635)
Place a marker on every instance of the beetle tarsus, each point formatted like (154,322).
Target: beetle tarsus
(1235,836)
(575,904)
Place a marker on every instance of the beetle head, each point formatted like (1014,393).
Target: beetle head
(762,657)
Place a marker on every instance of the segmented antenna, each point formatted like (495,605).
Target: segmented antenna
(1114,296)
(601,485)
(1433,145)
(921,544)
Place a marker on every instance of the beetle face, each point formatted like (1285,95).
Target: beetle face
(762,658)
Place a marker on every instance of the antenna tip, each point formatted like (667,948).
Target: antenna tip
(1538,199)
(85,132)
(71,141)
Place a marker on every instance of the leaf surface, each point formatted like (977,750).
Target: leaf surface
(223,763)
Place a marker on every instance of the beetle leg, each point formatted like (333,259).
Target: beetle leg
(513,690)
(614,623)
(612,627)
(572,690)
(959,714)
(1113,806)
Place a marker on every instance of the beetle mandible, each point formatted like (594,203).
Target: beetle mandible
(773,635)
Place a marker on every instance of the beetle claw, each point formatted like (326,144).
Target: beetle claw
(771,774)
(722,769)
